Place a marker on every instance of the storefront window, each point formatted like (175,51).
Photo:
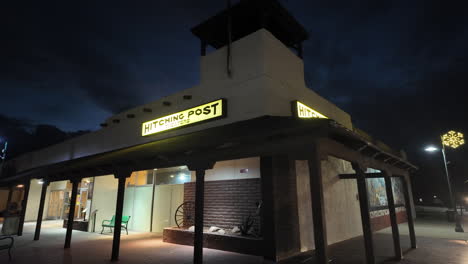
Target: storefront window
(173,175)
(83,199)
(140,178)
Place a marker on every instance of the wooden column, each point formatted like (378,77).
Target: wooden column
(267,218)
(393,217)
(24,204)
(71,212)
(365,216)
(121,176)
(280,220)
(199,169)
(409,212)
(10,194)
(199,207)
(318,207)
(41,209)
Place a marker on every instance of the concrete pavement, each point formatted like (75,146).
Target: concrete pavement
(149,248)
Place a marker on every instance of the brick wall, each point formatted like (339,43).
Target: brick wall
(227,202)
(381,220)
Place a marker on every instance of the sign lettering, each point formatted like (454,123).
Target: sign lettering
(215,109)
(303,111)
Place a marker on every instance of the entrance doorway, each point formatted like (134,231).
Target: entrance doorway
(56,205)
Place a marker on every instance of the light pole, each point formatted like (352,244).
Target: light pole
(454,140)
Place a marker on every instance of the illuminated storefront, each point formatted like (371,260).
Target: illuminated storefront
(251,152)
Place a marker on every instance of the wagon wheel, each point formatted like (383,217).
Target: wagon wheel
(185,214)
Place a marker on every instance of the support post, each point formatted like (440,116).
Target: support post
(199,207)
(121,176)
(318,208)
(280,218)
(409,212)
(41,209)
(268,205)
(393,217)
(24,204)
(10,194)
(71,211)
(199,169)
(365,216)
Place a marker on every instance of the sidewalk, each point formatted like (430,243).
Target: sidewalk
(149,248)
(434,227)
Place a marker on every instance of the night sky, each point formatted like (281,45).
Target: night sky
(400,68)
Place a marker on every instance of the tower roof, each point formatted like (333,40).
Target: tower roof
(248,16)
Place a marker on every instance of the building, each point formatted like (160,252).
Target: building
(250,146)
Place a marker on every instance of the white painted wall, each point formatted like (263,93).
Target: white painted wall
(267,76)
(137,204)
(104,199)
(34,197)
(166,200)
(230,170)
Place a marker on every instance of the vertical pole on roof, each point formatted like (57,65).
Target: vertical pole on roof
(409,212)
(365,216)
(203,48)
(229,37)
(121,176)
(393,217)
(300,50)
(24,203)
(71,211)
(41,209)
(318,207)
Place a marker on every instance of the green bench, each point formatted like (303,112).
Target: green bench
(7,246)
(111,223)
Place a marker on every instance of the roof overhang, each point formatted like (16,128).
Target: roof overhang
(266,135)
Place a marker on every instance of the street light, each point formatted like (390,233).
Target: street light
(454,140)
(431,149)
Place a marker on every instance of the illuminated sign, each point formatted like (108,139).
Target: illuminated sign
(209,111)
(303,111)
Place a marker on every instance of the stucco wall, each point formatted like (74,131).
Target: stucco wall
(104,199)
(342,211)
(231,170)
(267,76)
(33,200)
(35,197)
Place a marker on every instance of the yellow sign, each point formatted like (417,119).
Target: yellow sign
(453,139)
(215,109)
(303,111)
